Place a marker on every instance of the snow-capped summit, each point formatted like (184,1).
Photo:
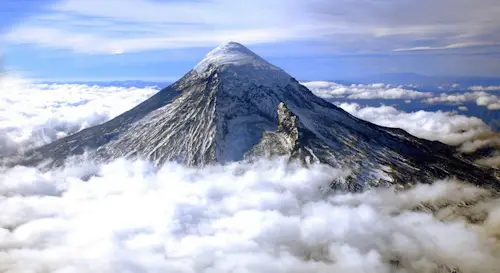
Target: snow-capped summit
(235,105)
(231,53)
(243,63)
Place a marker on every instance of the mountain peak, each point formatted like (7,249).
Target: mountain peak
(232,47)
(230,53)
(227,112)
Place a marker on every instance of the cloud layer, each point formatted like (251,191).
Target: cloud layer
(485,88)
(481,98)
(267,216)
(330,90)
(35,114)
(446,127)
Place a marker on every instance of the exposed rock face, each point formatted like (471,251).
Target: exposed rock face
(288,124)
(287,140)
(235,104)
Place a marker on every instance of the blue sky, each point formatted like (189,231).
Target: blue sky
(312,40)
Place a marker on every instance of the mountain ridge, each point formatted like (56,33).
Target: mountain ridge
(234,105)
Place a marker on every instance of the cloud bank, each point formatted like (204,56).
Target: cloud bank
(485,88)
(446,127)
(35,114)
(481,98)
(268,216)
(330,90)
(265,216)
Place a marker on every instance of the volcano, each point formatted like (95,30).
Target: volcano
(234,105)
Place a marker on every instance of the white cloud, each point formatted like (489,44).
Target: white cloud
(266,216)
(36,114)
(492,102)
(452,46)
(446,127)
(485,88)
(363,91)
(86,42)
(493,161)
(262,217)
(491,140)
(111,26)
(107,27)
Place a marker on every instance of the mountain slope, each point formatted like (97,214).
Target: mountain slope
(229,107)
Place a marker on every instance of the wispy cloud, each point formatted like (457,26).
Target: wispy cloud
(452,46)
(485,88)
(112,27)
